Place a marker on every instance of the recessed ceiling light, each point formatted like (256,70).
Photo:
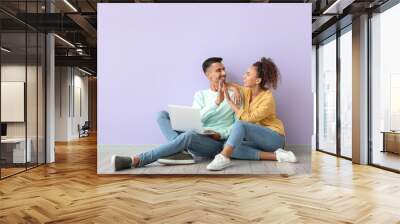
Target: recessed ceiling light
(70,5)
(5,50)
(337,7)
(64,40)
(84,71)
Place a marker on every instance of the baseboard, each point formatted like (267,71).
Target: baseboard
(298,147)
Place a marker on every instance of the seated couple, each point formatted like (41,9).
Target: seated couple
(252,131)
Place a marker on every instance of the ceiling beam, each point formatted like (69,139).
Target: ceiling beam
(86,26)
(85,61)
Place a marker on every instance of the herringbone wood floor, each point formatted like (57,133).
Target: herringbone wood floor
(70,191)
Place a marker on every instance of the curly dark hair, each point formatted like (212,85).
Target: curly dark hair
(268,72)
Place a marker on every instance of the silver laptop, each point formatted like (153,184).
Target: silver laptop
(184,118)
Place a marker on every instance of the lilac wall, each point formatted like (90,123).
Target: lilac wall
(150,55)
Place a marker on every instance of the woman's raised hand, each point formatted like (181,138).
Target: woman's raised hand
(226,94)
(237,97)
(236,91)
(234,107)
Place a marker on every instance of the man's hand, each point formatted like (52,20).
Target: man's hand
(215,136)
(221,92)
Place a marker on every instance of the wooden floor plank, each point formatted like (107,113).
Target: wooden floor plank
(70,191)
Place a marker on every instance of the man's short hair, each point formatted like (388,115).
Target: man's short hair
(209,61)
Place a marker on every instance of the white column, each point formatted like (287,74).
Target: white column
(50,93)
(360,90)
(50,100)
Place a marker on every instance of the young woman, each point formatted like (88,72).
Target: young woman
(258,134)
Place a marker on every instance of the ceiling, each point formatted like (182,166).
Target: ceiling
(76,22)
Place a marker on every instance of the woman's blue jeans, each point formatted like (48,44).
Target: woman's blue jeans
(248,140)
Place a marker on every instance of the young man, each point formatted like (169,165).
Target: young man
(216,115)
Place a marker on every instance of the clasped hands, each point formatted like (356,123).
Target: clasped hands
(224,94)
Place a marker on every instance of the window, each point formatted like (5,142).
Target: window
(385,87)
(327,95)
(346,93)
(22,66)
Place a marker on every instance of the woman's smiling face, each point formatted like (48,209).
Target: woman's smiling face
(250,78)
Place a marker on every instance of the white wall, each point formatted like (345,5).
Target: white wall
(70,83)
(62,81)
(15,72)
(33,127)
(79,111)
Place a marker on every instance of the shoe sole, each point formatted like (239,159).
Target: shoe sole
(113,162)
(176,162)
(289,160)
(211,169)
(294,158)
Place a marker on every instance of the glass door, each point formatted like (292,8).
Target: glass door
(326,54)
(346,93)
(385,89)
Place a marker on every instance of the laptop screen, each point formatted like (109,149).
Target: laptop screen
(3,129)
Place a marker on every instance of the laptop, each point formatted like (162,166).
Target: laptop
(184,118)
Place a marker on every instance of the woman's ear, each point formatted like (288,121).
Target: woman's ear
(258,81)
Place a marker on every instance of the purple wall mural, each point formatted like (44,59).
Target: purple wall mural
(150,55)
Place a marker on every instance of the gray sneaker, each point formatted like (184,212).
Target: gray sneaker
(179,158)
(121,162)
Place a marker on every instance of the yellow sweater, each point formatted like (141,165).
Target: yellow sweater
(260,111)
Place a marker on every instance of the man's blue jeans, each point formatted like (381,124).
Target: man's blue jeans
(248,140)
(198,145)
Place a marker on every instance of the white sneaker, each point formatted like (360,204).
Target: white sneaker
(219,163)
(285,156)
